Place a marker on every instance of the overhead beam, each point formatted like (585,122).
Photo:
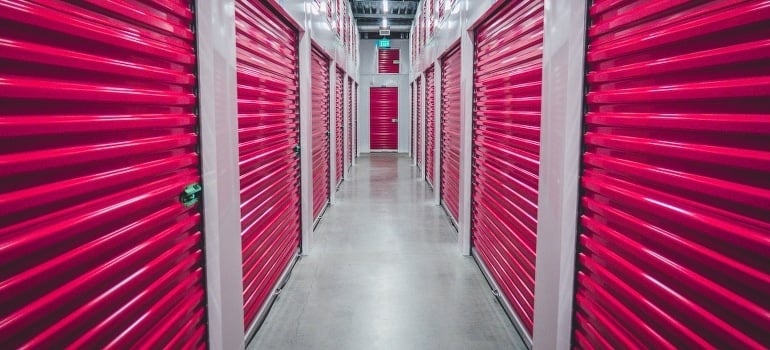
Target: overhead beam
(374,28)
(389,16)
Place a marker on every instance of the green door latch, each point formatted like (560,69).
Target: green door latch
(297,149)
(191,194)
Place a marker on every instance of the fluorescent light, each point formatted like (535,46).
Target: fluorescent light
(384,21)
(385,6)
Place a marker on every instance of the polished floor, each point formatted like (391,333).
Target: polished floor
(385,273)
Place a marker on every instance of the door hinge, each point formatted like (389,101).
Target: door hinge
(191,194)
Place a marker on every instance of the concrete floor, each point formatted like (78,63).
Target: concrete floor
(385,273)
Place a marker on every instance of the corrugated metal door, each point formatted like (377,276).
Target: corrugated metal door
(383,113)
(430,123)
(450,132)
(320,141)
(418,95)
(97,145)
(339,124)
(388,60)
(674,241)
(506,153)
(268,132)
(349,134)
(413,122)
(355,121)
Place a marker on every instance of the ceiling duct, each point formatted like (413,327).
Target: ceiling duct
(375,28)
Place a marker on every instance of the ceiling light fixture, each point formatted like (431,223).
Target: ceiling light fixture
(385,6)
(384,21)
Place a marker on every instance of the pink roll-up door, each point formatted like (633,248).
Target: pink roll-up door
(450,132)
(674,236)
(383,112)
(99,248)
(418,115)
(349,134)
(339,125)
(355,123)
(268,141)
(412,121)
(321,106)
(506,150)
(430,123)
(388,61)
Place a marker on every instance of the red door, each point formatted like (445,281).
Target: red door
(506,153)
(388,61)
(413,122)
(355,120)
(339,125)
(418,95)
(383,133)
(321,106)
(430,123)
(450,132)
(674,237)
(349,134)
(98,247)
(268,132)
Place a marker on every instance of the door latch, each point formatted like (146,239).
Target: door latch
(191,195)
(297,149)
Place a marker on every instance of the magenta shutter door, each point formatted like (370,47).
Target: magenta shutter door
(419,122)
(506,156)
(98,143)
(350,123)
(430,123)
(413,111)
(383,118)
(388,60)
(674,241)
(321,106)
(268,132)
(355,124)
(450,132)
(339,125)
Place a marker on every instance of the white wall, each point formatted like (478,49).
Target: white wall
(369,77)
(315,22)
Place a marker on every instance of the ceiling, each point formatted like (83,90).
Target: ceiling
(368,14)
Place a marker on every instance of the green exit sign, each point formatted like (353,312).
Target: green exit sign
(384,43)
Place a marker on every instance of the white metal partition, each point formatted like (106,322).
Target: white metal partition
(561,125)
(219,149)
(306,139)
(437,134)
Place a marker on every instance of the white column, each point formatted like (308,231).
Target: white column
(306,139)
(215,31)
(560,139)
(413,109)
(437,132)
(466,141)
(332,132)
